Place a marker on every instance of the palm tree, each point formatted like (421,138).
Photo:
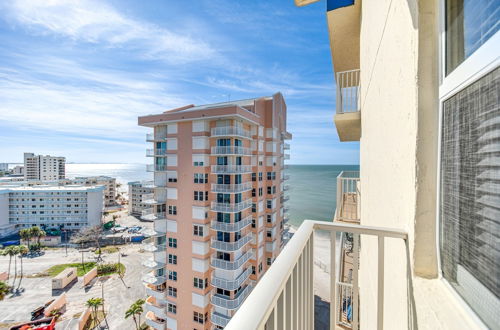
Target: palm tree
(94,303)
(26,235)
(15,252)
(10,251)
(22,251)
(4,289)
(38,233)
(135,309)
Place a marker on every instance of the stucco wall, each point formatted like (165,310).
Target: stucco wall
(389,59)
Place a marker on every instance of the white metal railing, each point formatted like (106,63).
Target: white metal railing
(231,284)
(156,168)
(150,137)
(286,187)
(232,265)
(231,131)
(156,152)
(286,156)
(348,91)
(148,197)
(345,303)
(152,264)
(228,303)
(231,188)
(348,197)
(231,246)
(152,279)
(231,150)
(232,226)
(219,319)
(155,323)
(231,169)
(153,292)
(231,207)
(150,215)
(286,146)
(286,177)
(158,310)
(152,232)
(284,296)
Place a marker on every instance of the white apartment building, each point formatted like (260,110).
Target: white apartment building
(68,207)
(39,167)
(18,170)
(4,167)
(108,182)
(136,192)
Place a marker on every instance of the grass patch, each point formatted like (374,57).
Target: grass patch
(81,270)
(108,269)
(107,249)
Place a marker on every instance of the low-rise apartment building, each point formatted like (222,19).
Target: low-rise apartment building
(108,182)
(64,207)
(136,192)
(218,208)
(39,167)
(417,84)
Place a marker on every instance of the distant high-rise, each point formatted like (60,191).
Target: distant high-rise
(39,167)
(218,208)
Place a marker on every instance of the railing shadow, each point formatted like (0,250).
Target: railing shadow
(412,312)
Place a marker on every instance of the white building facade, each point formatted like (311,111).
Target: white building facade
(39,167)
(63,207)
(136,191)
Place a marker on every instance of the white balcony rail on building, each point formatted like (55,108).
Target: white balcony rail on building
(286,146)
(155,323)
(231,207)
(152,279)
(228,303)
(231,246)
(348,91)
(148,197)
(231,284)
(231,150)
(231,169)
(152,264)
(158,310)
(153,292)
(219,319)
(156,168)
(233,226)
(156,152)
(286,156)
(231,188)
(151,137)
(284,296)
(348,197)
(232,265)
(150,215)
(231,131)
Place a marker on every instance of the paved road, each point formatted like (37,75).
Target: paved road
(118,295)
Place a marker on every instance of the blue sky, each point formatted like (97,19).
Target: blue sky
(75,75)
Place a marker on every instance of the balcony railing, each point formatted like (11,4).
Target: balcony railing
(152,279)
(286,156)
(286,146)
(153,292)
(231,188)
(348,197)
(149,215)
(228,303)
(231,150)
(231,227)
(219,319)
(155,323)
(232,265)
(150,137)
(348,91)
(231,246)
(156,168)
(158,310)
(231,207)
(231,169)
(284,296)
(231,131)
(231,284)
(156,152)
(152,264)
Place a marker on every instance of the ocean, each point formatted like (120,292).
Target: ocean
(312,187)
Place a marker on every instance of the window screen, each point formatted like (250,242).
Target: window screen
(470,195)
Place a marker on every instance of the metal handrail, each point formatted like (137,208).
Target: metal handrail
(231,265)
(231,284)
(231,246)
(231,188)
(233,226)
(348,87)
(231,150)
(230,131)
(231,169)
(231,207)
(291,272)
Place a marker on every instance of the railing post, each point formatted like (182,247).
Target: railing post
(339,196)
(333,275)
(355,283)
(338,100)
(380,286)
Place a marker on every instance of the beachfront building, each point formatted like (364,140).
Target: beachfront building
(137,190)
(417,84)
(4,167)
(17,170)
(39,167)
(49,206)
(219,208)
(108,182)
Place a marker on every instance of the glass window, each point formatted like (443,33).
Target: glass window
(470,195)
(469,24)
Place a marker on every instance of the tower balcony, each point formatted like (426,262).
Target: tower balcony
(230,131)
(231,169)
(348,116)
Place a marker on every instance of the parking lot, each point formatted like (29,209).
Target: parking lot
(118,294)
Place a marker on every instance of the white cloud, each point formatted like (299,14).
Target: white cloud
(97,22)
